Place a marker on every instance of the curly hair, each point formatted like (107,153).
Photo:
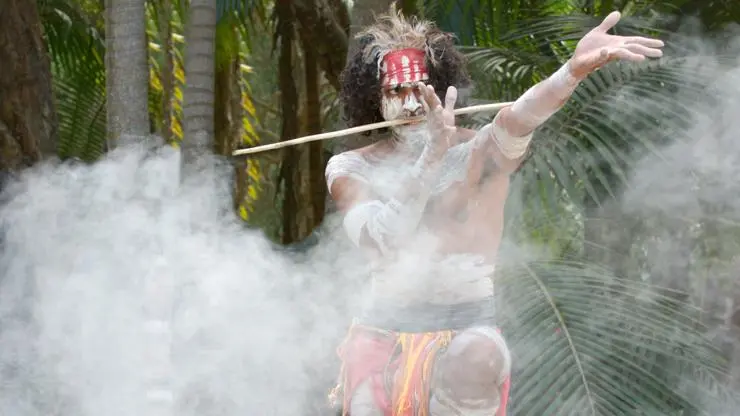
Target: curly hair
(361,92)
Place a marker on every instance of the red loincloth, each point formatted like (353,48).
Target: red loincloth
(370,354)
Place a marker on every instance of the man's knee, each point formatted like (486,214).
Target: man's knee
(363,403)
(473,368)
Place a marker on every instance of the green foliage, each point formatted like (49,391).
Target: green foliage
(587,340)
(77,51)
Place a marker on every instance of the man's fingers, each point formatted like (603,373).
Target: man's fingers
(423,97)
(644,50)
(609,22)
(427,92)
(649,42)
(450,98)
(424,104)
(623,53)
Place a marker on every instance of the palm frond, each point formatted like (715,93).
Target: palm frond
(622,112)
(72,37)
(588,342)
(245,14)
(77,53)
(245,8)
(82,118)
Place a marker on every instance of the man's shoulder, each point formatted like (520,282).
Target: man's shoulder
(352,162)
(360,152)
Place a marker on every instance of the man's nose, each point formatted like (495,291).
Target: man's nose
(411,104)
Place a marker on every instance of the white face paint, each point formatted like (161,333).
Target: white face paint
(411,104)
(391,107)
(396,105)
(411,137)
(399,103)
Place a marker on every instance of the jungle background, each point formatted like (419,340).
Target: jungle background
(639,311)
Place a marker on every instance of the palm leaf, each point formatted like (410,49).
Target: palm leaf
(76,49)
(250,14)
(616,114)
(81,106)
(587,342)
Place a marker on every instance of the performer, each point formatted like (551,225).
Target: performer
(427,205)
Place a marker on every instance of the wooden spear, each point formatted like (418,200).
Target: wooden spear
(360,129)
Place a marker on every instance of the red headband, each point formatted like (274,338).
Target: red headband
(404,65)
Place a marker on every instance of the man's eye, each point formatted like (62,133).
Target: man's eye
(396,89)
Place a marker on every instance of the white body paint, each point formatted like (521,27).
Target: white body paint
(416,272)
(540,102)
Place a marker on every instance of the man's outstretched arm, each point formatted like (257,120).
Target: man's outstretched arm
(513,126)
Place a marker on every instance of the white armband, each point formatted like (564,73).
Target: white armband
(357,218)
(511,147)
(383,221)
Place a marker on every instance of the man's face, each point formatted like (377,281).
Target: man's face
(402,100)
(400,72)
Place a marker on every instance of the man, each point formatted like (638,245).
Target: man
(427,206)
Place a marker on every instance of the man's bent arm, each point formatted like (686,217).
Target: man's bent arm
(371,222)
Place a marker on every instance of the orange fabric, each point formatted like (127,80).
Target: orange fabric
(417,357)
(370,354)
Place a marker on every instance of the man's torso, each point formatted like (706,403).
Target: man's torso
(451,258)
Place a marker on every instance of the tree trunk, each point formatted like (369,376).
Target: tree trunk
(127,72)
(316,164)
(228,117)
(363,12)
(200,68)
(409,7)
(325,34)
(227,110)
(289,107)
(128,123)
(28,120)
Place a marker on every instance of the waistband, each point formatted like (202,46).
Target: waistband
(428,317)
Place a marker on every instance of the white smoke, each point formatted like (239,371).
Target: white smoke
(123,284)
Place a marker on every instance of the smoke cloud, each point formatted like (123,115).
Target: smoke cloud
(122,282)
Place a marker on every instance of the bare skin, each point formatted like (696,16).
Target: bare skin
(467,372)
(485,199)
(457,214)
(468,216)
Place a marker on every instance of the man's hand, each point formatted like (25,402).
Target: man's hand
(597,48)
(441,120)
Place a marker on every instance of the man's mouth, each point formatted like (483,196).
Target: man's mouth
(413,120)
(417,118)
